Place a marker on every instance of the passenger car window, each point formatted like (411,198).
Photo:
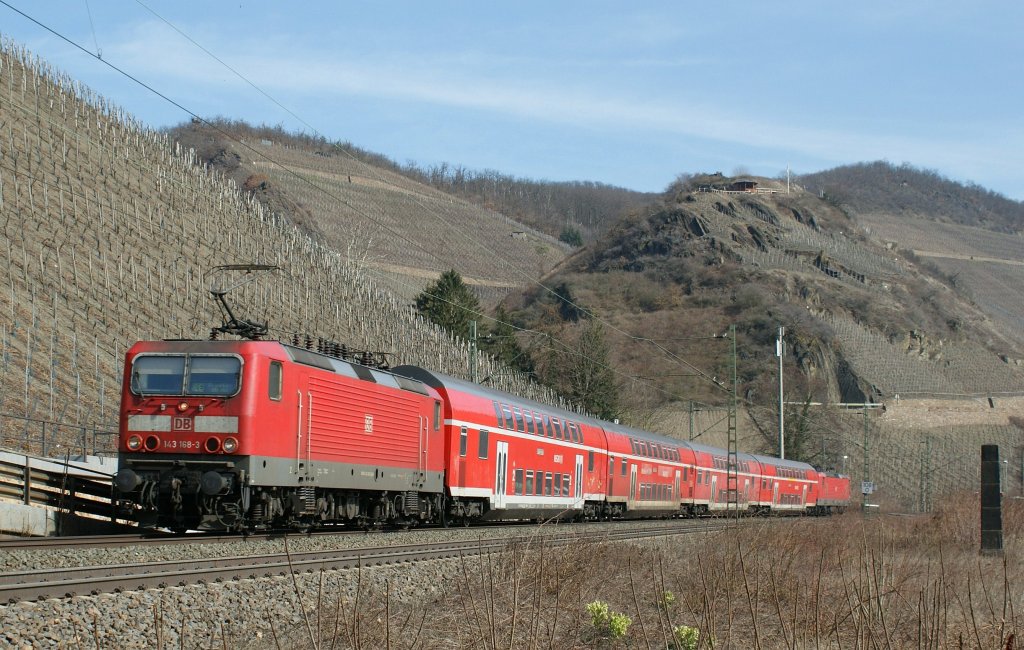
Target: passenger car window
(509,424)
(463,440)
(520,426)
(482,450)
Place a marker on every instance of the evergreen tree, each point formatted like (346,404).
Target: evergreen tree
(450,304)
(566,303)
(590,381)
(571,236)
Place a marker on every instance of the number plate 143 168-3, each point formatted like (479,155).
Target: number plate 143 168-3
(182,444)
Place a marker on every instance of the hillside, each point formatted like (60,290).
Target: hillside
(970,237)
(403,232)
(906,191)
(110,232)
(864,323)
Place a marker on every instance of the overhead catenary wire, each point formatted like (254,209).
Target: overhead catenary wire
(669,354)
(558,346)
(458,231)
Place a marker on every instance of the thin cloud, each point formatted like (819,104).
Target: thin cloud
(440,83)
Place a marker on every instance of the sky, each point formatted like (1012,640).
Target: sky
(623,93)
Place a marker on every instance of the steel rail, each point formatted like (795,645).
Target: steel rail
(158,538)
(70,582)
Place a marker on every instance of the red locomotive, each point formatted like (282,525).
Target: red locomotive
(249,434)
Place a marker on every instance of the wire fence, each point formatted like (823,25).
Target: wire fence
(49,438)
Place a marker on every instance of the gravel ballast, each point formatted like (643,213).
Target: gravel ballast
(216,614)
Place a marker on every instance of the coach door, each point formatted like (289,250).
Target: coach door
(501,475)
(714,490)
(579,480)
(632,482)
(678,494)
(775,492)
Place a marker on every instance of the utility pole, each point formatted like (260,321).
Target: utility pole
(732,478)
(928,473)
(691,419)
(472,352)
(780,350)
(867,468)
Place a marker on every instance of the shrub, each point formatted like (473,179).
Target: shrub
(607,622)
(687,637)
(667,599)
(571,236)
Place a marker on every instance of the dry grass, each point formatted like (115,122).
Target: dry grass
(845,582)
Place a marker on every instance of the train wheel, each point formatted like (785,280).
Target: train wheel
(444,519)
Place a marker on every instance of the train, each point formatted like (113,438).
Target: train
(239,435)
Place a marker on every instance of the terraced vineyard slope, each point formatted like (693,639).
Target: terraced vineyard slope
(109,233)
(404,233)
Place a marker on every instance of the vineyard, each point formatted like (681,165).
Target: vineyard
(405,234)
(891,366)
(995,281)
(110,232)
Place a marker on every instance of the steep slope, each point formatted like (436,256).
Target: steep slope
(863,322)
(971,237)
(404,232)
(109,234)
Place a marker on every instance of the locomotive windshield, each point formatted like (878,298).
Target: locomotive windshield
(215,376)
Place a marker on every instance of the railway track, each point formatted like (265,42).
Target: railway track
(69,582)
(150,538)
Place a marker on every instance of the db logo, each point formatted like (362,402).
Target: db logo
(181,424)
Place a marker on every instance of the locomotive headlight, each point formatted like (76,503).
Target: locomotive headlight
(134,443)
(230,445)
(183,407)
